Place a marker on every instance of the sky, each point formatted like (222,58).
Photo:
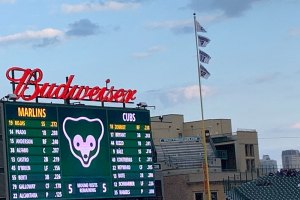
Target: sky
(149,45)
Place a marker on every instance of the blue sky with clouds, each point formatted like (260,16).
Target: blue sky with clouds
(149,45)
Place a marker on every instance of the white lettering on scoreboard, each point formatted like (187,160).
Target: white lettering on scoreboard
(27,186)
(87,187)
(38,155)
(28,195)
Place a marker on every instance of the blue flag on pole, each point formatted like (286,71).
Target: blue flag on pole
(203,41)
(204,57)
(203,72)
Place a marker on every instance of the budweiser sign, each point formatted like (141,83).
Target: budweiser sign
(28,86)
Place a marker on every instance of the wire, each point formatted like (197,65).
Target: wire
(270,138)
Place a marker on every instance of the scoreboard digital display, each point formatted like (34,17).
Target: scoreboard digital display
(77,152)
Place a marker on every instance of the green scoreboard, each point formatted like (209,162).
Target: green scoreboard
(76,151)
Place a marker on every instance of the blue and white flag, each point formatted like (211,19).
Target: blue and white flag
(203,41)
(199,28)
(203,72)
(204,57)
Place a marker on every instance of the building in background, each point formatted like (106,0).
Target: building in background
(290,159)
(267,165)
(180,153)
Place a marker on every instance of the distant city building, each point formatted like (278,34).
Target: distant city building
(290,159)
(267,165)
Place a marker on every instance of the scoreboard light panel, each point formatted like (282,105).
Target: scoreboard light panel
(71,152)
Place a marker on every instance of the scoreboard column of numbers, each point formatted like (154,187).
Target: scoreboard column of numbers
(131,156)
(67,152)
(33,158)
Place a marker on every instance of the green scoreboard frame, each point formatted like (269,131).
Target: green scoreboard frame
(55,151)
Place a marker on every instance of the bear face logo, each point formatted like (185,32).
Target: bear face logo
(84,136)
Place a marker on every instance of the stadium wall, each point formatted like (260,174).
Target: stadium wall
(178,187)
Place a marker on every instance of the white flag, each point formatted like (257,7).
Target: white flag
(204,57)
(199,28)
(203,72)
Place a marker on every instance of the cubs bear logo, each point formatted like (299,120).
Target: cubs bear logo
(84,136)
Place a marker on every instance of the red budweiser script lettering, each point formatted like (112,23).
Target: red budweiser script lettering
(28,86)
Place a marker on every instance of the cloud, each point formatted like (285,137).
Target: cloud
(47,42)
(83,27)
(7,1)
(179,26)
(265,78)
(117,28)
(32,36)
(188,93)
(99,6)
(183,26)
(230,8)
(50,36)
(296,125)
(149,52)
(294,32)
(179,95)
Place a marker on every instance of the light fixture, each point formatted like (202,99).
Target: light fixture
(11,97)
(78,103)
(207,134)
(142,104)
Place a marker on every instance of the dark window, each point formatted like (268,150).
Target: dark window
(1,139)
(1,170)
(252,150)
(228,163)
(214,196)
(198,196)
(250,165)
(249,150)
(287,162)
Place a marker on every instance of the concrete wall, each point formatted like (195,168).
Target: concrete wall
(171,126)
(215,127)
(243,138)
(178,187)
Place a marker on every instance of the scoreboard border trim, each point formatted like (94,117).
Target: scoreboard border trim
(57,105)
(4,151)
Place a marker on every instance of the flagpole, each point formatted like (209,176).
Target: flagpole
(205,164)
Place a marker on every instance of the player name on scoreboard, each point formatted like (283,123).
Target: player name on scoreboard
(131,153)
(77,153)
(34,157)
